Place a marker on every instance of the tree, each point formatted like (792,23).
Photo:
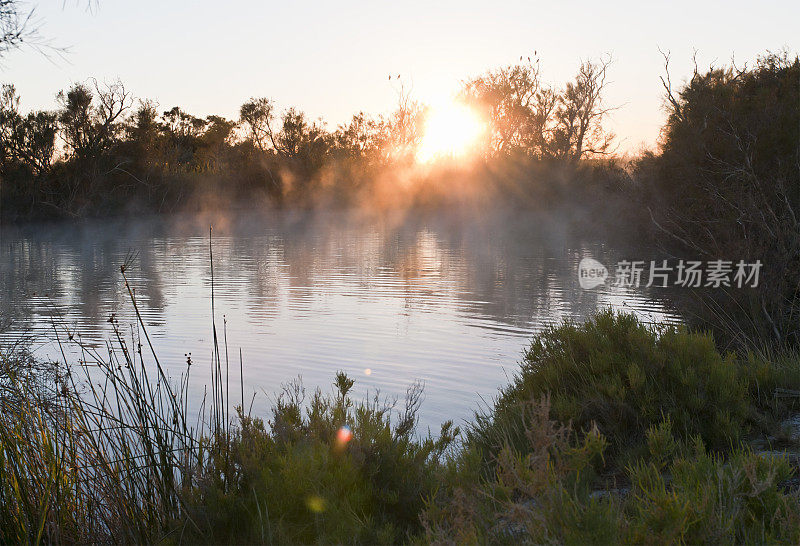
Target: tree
(90,118)
(213,143)
(518,107)
(529,118)
(142,131)
(362,138)
(15,26)
(19,27)
(727,186)
(579,131)
(28,139)
(257,115)
(404,127)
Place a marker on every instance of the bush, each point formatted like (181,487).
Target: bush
(623,376)
(543,488)
(610,433)
(737,500)
(549,492)
(726,185)
(337,472)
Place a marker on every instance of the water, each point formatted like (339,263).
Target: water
(450,299)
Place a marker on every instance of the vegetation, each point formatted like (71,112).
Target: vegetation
(106,452)
(622,377)
(726,185)
(611,431)
(676,492)
(121,155)
(340,471)
(723,185)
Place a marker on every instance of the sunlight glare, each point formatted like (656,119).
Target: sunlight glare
(452,131)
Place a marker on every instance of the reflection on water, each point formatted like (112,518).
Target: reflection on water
(451,299)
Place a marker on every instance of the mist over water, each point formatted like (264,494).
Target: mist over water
(449,298)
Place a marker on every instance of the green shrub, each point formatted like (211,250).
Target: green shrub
(336,471)
(709,499)
(542,491)
(549,492)
(773,380)
(623,376)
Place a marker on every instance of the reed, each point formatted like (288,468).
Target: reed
(106,450)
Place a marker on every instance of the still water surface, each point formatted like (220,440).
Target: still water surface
(450,299)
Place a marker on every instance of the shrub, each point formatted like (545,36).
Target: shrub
(542,491)
(773,379)
(336,471)
(549,493)
(623,376)
(737,500)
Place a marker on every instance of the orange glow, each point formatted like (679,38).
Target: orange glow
(344,435)
(452,131)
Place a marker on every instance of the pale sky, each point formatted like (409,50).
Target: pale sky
(332,59)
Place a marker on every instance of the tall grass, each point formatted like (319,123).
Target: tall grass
(103,451)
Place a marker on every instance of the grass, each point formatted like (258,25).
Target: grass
(612,431)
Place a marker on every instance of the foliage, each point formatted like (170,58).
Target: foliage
(104,452)
(550,493)
(622,376)
(337,471)
(529,118)
(122,157)
(75,470)
(726,185)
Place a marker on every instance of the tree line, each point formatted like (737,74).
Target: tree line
(102,151)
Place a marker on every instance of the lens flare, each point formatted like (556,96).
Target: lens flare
(344,435)
(316,504)
(451,131)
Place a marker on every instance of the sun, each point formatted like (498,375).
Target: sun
(451,131)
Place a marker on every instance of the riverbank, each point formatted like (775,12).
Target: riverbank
(611,431)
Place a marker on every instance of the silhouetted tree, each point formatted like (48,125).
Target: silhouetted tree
(362,138)
(579,116)
(726,185)
(15,25)
(116,156)
(518,107)
(90,118)
(28,139)
(142,134)
(405,126)
(531,119)
(257,116)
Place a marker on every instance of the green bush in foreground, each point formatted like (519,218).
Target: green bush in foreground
(548,492)
(336,472)
(622,376)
